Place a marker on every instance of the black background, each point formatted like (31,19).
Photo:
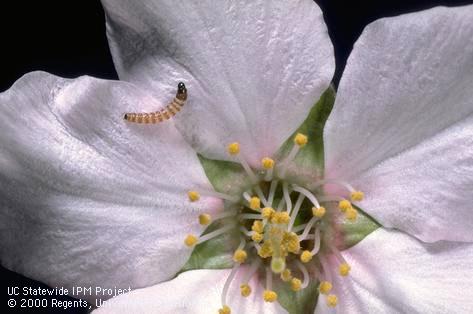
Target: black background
(67,38)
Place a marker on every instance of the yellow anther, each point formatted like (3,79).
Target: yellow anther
(318,212)
(233,148)
(357,196)
(190,240)
(267,163)
(257,237)
(240,256)
(300,139)
(332,300)
(194,196)
(266,250)
(257,226)
(325,287)
(270,296)
(205,219)
(245,290)
(306,256)
(280,218)
(344,205)
(286,275)
(255,203)
(344,269)
(296,284)
(351,214)
(293,243)
(278,264)
(267,212)
(225,310)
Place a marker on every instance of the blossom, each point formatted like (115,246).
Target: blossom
(90,200)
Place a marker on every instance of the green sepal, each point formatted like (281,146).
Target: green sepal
(309,162)
(354,232)
(215,253)
(303,301)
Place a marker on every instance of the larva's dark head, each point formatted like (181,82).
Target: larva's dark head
(181,91)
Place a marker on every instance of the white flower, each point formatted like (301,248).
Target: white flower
(87,200)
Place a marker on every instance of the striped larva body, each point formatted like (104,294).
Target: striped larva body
(164,114)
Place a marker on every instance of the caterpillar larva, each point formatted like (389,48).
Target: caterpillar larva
(164,114)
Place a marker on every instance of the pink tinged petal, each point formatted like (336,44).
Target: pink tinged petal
(86,198)
(253,68)
(427,190)
(392,272)
(401,129)
(196,292)
(408,78)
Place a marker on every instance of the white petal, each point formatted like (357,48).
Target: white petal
(86,198)
(426,191)
(253,68)
(193,292)
(408,78)
(402,123)
(392,272)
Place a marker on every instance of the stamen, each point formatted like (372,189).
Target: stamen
(299,141)
(260,194)
(269,295)
(307,228)
(253,268)
(344,268)
(245,290)
(246,231)
(296,284)
(305,274)
(332,300)
(326,285)
(268,165)
(280,218)
(287,198)
(234,150)
(307,194)
(226,286)
(194,196)
(316,248)
(354,194)
(190,240)
(286,275)
(257,226)
(224,214)
(225,310)
(344,205)
(299,201)
(272,191)
(250,216)
(267,212)
(255,203)
(281,204)
(351,214)
(319,212)
(257,237)
(205,219)
(306,256)
(240,256)
(246,196)
(215,233)
(215,194)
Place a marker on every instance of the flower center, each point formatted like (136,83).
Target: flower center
(285,233)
